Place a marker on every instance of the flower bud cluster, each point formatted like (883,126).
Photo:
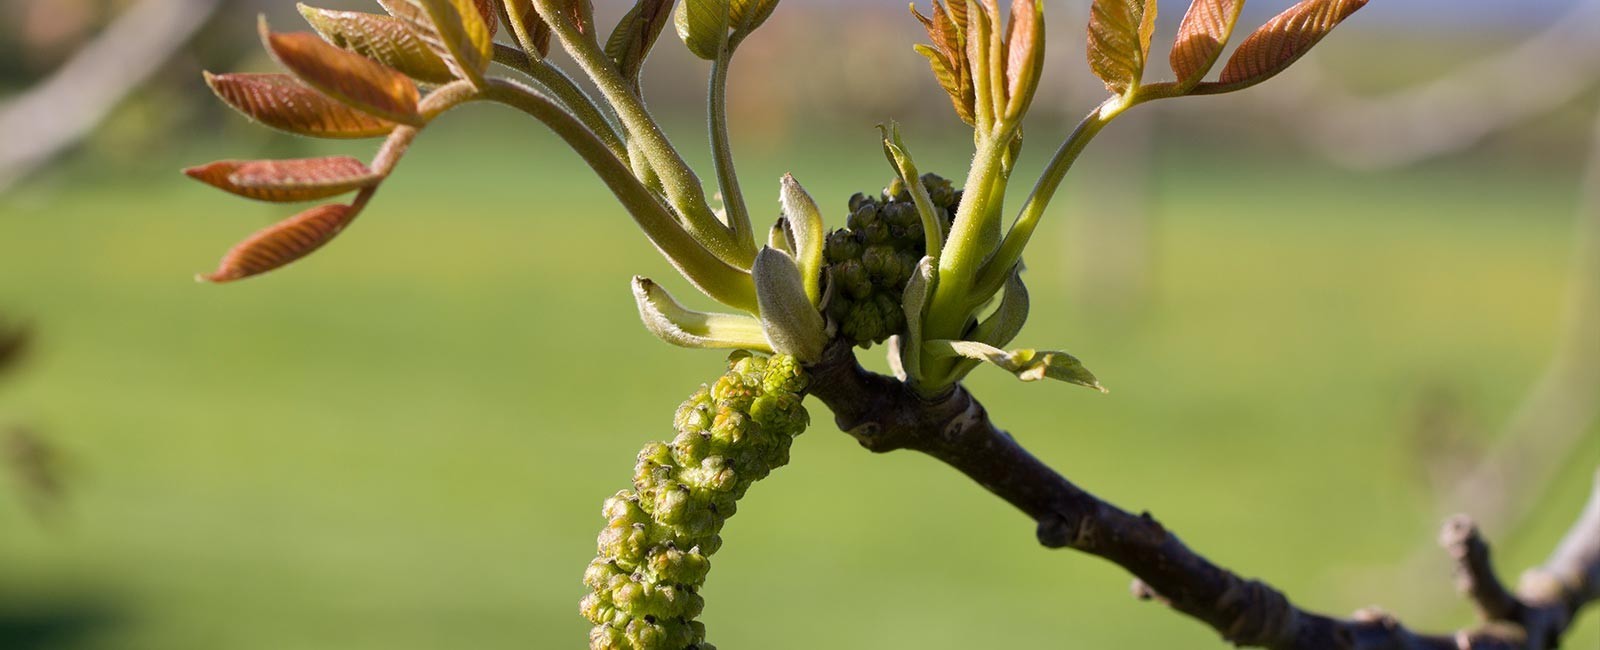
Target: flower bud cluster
(873,257)
(652,557)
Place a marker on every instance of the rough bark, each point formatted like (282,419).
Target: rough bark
(885,415)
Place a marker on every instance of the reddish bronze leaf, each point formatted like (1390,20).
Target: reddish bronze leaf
(1284,39)
(348,77)
(532,32)
(282,102)
(381,38)
(1204,32)
(1024,53)
(283,242)
(286,181)
(948,55)
(635,34)
(1119,41)
(487,11)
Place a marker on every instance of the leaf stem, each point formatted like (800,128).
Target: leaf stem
(565,89)
(715,277)
(682,187)
(737,213)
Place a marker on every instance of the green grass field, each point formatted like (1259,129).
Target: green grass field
(403,441)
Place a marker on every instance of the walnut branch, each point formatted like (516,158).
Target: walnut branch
(885,415)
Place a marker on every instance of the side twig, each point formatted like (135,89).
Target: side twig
(885,415)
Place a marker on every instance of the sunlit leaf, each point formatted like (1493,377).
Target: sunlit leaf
(454,30)
(381,38)
(286,181)
(532,32)
(703,26)
(1024,54)
(1119,41)
(806,228)
(353,79)
(1284,39)
(670,321)
(635,34)
(283,242)
(1201,37)
(791,322)
(282,102)
(744,16)
(1027,365)
(489,14)
(948,56)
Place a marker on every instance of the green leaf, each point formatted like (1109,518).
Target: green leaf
(1283,40)
(381,38)
(804,220)
(894,149)
(746,15)
(1201,37)
(1003,326)
(919,289)
(635,35)
(1119,41)
(670,321)
(703,26)
(454,30)
(1026,364)
(792,323)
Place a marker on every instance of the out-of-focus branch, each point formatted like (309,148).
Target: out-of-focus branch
(67,105)
(1452,113)
(884,415)
(1564,404)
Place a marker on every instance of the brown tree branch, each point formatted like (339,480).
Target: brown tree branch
(885,415)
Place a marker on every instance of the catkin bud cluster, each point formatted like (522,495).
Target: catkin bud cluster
(874,255)
(652,559)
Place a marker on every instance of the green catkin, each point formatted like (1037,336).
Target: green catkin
(652,559)
(874,256)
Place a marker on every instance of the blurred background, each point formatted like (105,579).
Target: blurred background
(1331,310)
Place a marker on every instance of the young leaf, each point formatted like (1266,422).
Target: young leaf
(805,222)
(454,30)
(1024,55)
(283,242)
(380,38)
(1003,326)
(1284,39)
(746,15)
(670,321)
(1119,41)
(703,26)
(1202,35)
(948,55)
(532,32)
(282,102)
(914,301)
(345,76)
(781,236)
(488,13)
(792,324)
(1027,365)
(635,34)
(286,181)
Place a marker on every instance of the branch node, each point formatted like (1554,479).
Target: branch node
(1475,576)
